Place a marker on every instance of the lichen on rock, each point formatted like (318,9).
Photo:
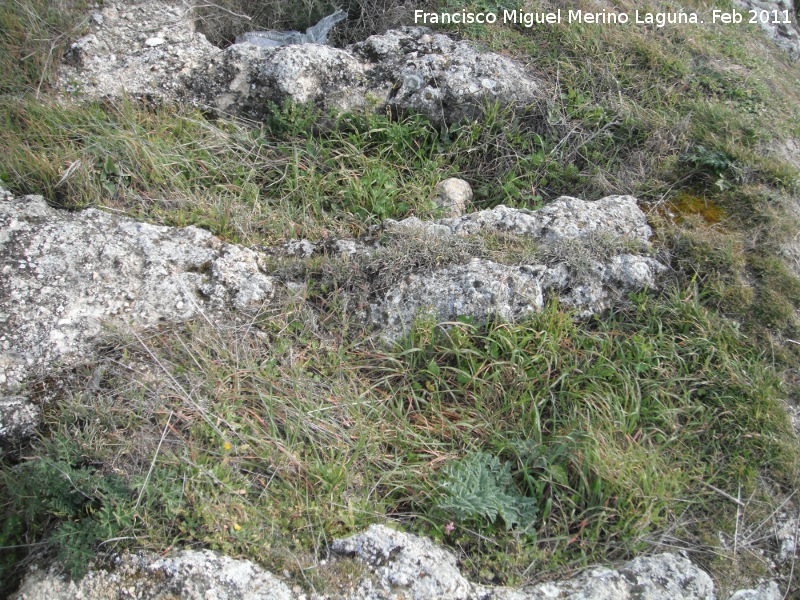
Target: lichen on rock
(398,565)
(65,275)
(482,289)
(151,49)
(18,420)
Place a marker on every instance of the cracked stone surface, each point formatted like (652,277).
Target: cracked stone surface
(189,575)
(67,275)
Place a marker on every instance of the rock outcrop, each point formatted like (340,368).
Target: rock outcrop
(66,274)
(482,288)
(189,575)
(414,567)
(410,69)
(150,48)
(771,17)
(397,565)
(141,48)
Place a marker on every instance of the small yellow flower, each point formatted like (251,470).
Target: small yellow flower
(226,445)
(236,526)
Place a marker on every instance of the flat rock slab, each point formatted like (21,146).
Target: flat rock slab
(66,274)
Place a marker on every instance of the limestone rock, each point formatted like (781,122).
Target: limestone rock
(766,591)
(150,48)
(398,565)
(205,574)
(785,35)
(660,577)
(441,78)
(66,274)
(189,575)
(479,289)
(413,567)
(405,565)
(18,419)
(482,289)
(565,218)
(410,69)
(136,48)
(453,196)
(244,79)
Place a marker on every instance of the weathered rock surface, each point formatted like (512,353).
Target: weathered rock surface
(399,565)
(479,289)
(767,591)
(409,69)
(785,35)
(64,274)
(141,48)
(18,420)
(150,48)
(405,565)
(482,289)
(453,196)
(660,577)
(564,219)
(189,575)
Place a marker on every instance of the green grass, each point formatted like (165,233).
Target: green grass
(33,36)
(528,448)
(272,443)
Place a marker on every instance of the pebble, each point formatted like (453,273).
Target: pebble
(154,41)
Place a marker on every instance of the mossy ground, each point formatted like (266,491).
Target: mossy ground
(584,441)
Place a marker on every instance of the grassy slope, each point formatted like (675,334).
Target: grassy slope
(528,448)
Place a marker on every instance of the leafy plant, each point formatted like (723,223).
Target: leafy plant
(479,489)
(71,505)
